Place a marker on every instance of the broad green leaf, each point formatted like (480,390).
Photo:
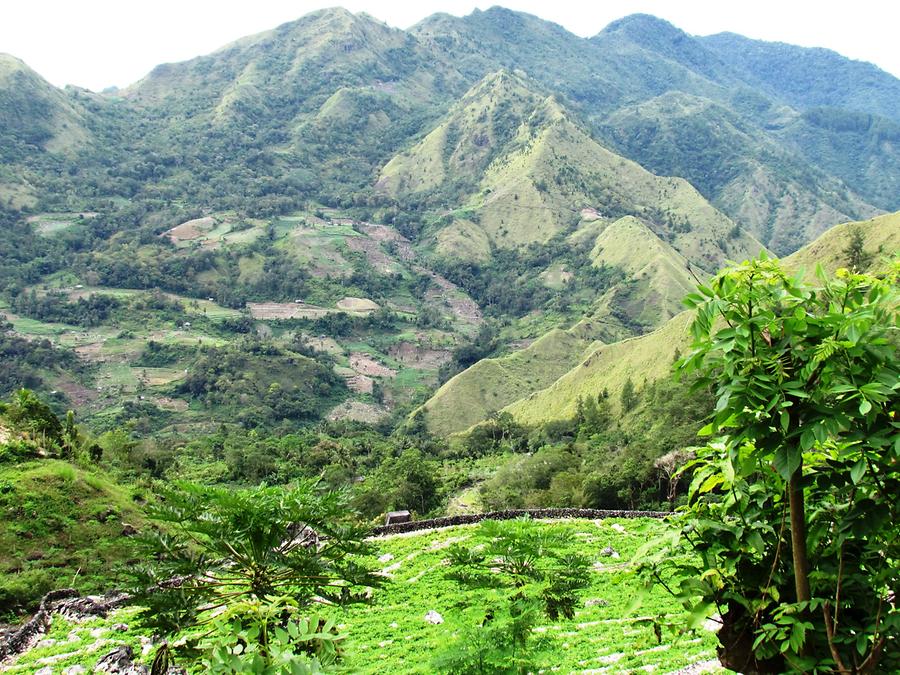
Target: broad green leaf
(786,461)
(858,470)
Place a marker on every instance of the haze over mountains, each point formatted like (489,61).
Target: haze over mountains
(488,165)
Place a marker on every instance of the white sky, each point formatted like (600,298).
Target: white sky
(98,43)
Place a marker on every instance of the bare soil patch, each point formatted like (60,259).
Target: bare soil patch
(349,304)
(285,310)
(77,393)
(168,403)
(366,365)
(357,411)
(375,255)
(419,357)
(361,384)
(191,229)
(387,233)
(91,352)
(462,306)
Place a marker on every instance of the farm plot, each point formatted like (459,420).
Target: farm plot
(607,634)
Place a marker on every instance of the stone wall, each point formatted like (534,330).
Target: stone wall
(448,521)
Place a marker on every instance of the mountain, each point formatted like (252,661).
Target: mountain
(809,77)
(523,170)
(382,200)
(649,357)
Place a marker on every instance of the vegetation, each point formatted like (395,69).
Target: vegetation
(261,297)
(804,476)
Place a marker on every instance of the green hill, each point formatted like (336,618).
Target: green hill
(606,366)
(65,526)
(807,77)
(649,357)
(776,195)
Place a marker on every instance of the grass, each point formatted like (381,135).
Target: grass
(61,526)
(390,634)
(492,384)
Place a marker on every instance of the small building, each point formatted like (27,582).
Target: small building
(395,517)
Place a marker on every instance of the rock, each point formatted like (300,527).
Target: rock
(596,602)
(618,528)
(74,670)
(46,642)
(98,632)
(394,624)
(121,627)
(387,557)
(46,670)
(120,660)
(433,617)
(128,530)
(608,551)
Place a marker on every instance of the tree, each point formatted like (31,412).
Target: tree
(793,510)
(629,396)
(858,259)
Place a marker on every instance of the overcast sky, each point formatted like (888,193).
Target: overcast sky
(98,43)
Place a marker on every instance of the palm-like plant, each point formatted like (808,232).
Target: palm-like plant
(218,546)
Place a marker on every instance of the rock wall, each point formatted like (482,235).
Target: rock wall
(449,521)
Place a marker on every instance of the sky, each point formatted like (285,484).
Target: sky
(101,43)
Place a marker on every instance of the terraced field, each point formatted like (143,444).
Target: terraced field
(609,633)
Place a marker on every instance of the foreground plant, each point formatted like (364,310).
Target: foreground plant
(222,550)
(793,512)
(524,564)
(266,638)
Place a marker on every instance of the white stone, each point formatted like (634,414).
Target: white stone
(387,557)
(434,617)
(618,528)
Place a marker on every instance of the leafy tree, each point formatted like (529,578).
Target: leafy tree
(221,546)
(29,412)
(794,515)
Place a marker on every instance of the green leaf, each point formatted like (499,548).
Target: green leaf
(785,420)
(864,407)
(786,461)
(858,470)
(707,430)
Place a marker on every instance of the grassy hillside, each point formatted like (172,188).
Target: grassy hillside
(64,526)
(641,359)
(491,384)
(645,358)
(881,236)
(537,170)
(745,173)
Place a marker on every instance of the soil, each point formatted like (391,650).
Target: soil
(285,310)
(366,365)
(191,229)
(349,304)
(357,411)
(361,384)
(419,357)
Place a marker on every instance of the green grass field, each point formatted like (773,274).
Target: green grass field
(390,635)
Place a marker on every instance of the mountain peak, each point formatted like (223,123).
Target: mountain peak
(639,26)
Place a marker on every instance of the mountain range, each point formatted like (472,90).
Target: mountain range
(493,166)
